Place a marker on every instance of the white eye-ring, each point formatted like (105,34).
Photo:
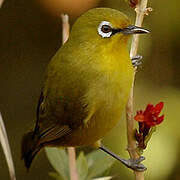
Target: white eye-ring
(105,29)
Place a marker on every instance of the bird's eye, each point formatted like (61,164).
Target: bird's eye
(105,29)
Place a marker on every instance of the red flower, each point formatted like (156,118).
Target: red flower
(147,119)
(133,3)
(150,117)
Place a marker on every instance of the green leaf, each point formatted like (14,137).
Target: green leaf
(98,163)
(104,178)
(82,166)
(55,175)
(148,137)
(59,160)
(106,172)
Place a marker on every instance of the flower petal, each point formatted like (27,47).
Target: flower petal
(159,107)
(139,117)
(160,119)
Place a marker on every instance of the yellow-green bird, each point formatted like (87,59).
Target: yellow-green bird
(86,87)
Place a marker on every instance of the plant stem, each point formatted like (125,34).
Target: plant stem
(65,27)
(6,148)
(71,150)
(72,163)
(1,2)
(141,10)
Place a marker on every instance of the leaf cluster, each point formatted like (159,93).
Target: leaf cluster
(93,166)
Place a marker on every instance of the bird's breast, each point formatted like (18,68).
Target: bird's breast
(110,95)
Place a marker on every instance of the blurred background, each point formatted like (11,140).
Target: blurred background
(30,34)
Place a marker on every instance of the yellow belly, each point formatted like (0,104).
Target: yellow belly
(103,120)
(92,132)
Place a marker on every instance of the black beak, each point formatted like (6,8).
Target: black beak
(134,30)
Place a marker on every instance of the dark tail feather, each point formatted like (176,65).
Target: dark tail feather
(29,148)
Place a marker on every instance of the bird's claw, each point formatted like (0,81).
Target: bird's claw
(136,60)
(135,164)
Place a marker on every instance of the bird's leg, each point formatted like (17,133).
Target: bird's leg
(136,60)
(133,164)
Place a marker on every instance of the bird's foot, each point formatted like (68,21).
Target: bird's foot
(136,60)
(133,164)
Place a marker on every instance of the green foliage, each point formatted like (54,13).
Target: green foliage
(59,160)
(93,166)
(82,166)
(98,163)
(55,176)
(104,178)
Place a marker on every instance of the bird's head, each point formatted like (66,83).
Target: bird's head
(104,25)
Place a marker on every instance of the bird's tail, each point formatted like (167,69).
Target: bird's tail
(29,148)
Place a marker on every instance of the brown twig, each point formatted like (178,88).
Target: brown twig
(141,10)
(6,148)
(65,27)
(1,3)
(71,150)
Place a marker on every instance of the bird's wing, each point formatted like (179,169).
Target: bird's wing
(51,126)
(54,133)
(47,131)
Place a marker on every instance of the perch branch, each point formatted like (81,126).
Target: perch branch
(6,148)
(141,9)
(71,150)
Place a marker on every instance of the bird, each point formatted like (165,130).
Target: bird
(86,87)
